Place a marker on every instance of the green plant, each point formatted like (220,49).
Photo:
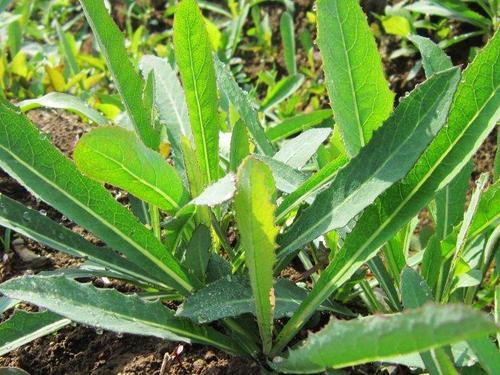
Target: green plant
(387,166)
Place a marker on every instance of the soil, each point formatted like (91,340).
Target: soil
(82,350)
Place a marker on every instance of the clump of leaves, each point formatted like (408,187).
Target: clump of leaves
(357,206)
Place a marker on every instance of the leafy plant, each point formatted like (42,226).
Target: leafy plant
(289,201)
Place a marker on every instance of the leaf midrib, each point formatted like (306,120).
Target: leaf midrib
(136,177)
(127,239)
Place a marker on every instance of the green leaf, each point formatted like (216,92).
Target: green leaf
(450,202)
(241,102)
(310,187)
(108,309)
(23,327)
(359,94)
(127,80)
(198,252)
(414,290)
(116,156)
(287,179)
(64,101)
(67,45)
(299,123)
(281,91)
(194,58)
(487,353)
(40,228)
(296,152)
(233,297)
(219,192)
(288,37)
(468,126)
(240,146)
(449,9)
(384,161)
(389,335)
(254,210)
(433,57)
(488,211)
(170,101)
(38,165)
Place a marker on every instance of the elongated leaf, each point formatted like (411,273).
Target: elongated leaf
(67,50)
(116,156)
(488,354)
(240,146)
(198,252)
(254,209)
(433,57)
(7,303)
(389,335)
(42,229)
(228,298)
(41,168)
(64,101)
(450,202)
(127,80)
(488,211)
(217,193)
(111,310)
(310,187)
(296,124)
(281,91)
(241,102)
(287,179)
(194,58)
(170,102)
(23,327)
(288,38)
(472,117)
(384,161)
(450,9)
(359,93)
(297,151)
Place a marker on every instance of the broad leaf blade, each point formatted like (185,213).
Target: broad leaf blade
(384,161)
(34,225)
(55,179)
(194,58)
(389,335)
(127,80)
(109,309)
(433,57)
(254,209)
(359,93)
(64,101)
(23,327)
(116,156)
(297,151)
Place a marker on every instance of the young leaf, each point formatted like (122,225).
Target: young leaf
(193,54)
(198,252)
(359,94)
(299,123)
(384,161)
(433,57)
(127,80)
(170,101)
(217,193)
(40,167)
(288,38)
(34,225)
(116,156)
(111,310)
(254,210)
(23,327)
(416,330)
(64,101)
(297,151)
(241,102)
(472,117)
(281,91)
